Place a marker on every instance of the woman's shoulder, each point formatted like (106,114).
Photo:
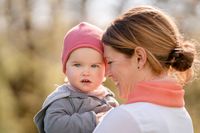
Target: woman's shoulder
(132,110)
(137,117)
(148,115)
(117,120)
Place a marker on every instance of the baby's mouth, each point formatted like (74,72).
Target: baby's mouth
(85,81)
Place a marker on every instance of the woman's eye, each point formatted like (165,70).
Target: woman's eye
(77,65)
(109,62)
(94,66)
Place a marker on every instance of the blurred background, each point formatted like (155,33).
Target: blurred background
(31,39)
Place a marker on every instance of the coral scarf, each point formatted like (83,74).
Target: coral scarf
(165,93)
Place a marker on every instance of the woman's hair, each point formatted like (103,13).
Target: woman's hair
(155,31)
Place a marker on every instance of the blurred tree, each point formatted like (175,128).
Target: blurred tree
(25,77)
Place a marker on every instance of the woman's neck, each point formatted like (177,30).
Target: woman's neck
(162,91)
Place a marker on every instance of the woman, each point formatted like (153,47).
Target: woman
(149,61)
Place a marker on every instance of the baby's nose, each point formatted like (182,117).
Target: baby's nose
(86,71)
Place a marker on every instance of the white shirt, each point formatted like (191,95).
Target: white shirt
(145,117)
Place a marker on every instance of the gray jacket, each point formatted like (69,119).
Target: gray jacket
(67,111)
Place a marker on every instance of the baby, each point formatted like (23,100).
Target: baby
(77,105)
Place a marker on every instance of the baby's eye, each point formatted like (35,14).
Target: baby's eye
(77,65)
(94,65)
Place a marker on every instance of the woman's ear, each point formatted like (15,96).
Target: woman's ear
(141,57)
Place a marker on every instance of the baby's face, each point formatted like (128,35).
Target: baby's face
(85,69)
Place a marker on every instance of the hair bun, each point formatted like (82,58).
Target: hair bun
(181,58)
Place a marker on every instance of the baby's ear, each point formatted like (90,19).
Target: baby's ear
(104,79)
(66,79)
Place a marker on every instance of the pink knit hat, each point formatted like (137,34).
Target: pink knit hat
(82,35)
